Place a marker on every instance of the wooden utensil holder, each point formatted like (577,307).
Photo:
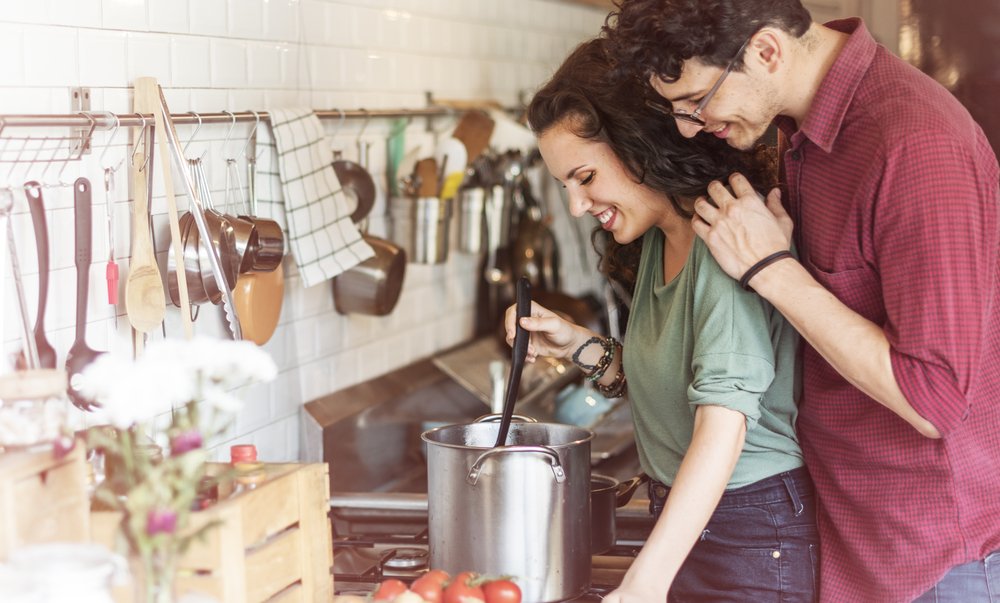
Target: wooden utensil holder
(273,543)
(42,499)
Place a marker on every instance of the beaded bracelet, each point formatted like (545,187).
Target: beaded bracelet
(576,354)
(605,361)
(617,388)
(596,371)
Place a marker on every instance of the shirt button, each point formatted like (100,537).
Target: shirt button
(776,554)
(796,155)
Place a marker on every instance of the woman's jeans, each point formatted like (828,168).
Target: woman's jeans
(760,545)
(973,582)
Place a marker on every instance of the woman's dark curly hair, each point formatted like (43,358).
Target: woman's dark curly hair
(583,95)
(655,37)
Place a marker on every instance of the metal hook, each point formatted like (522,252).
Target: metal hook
(253,132)
(340,124)
(87,138)
(107,145)
(229,135)
(364,126)
(193,134)
(142,139)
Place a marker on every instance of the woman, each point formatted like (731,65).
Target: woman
(709,367)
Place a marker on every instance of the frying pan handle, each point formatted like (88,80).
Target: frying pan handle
(553,458)
(626,489)
(520,351)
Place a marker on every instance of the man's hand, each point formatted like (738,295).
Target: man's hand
(740,230)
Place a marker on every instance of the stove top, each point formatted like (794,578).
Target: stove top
(361,561)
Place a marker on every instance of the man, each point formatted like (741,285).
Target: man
(893,192)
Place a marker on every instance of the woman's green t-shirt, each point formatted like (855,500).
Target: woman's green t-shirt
(701,339)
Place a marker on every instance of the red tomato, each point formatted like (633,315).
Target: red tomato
(459,590)
(388,590)
(502,591)
(430,586)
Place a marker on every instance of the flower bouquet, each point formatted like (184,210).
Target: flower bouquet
(188,386)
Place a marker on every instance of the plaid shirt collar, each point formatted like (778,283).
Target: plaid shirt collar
(835,95)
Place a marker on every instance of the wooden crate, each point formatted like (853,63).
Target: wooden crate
(273,544)
(42,499)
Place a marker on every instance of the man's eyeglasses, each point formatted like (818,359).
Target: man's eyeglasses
(694,117)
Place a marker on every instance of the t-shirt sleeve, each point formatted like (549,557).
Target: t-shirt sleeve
(733,361)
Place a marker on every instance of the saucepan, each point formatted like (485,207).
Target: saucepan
(373,286)
(606,495)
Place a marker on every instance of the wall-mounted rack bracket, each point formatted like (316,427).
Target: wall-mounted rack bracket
(80,103)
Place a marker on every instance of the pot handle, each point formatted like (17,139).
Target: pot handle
(626,489)
(477,467)
(498,416)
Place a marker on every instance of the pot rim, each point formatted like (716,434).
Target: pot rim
(586,436)
(603,483)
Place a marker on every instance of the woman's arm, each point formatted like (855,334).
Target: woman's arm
(554,336)
(715,448)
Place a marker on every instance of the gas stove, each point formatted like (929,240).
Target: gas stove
(381,536)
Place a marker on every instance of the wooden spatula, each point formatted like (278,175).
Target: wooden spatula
(427,172)
(474,130)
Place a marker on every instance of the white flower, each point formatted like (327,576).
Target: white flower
(172,373)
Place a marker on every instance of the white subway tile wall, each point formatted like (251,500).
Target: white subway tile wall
(237,55)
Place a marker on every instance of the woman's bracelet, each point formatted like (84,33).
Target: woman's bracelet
(764,263)
(576,355)
(596,371)
(617,388)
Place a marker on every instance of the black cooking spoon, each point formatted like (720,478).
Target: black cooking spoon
(518,353)
(80,354)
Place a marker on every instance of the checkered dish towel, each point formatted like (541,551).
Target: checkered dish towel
(321,236)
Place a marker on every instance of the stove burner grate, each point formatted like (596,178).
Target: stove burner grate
(405,558)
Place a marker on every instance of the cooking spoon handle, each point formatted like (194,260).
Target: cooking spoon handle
(82,215)
(33,190)
(518,354)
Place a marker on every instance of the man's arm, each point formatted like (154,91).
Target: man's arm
(854,346)
(857,348)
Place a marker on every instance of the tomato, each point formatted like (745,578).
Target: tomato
(430,586)
(502,591)
(459,591)
(388,590)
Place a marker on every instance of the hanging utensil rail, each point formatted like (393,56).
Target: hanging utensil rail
(107,120)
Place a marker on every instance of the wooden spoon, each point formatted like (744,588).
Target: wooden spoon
(145,302)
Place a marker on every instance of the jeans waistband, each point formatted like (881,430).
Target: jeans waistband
(789,485)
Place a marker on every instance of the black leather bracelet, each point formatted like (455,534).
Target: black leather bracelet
(764,263)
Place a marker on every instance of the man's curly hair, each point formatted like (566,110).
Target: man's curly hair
(583,96)
(655,37)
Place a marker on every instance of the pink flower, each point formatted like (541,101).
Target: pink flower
(185,441)
(62,446)
(161,521)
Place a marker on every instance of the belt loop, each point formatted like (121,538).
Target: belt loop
(793,493)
